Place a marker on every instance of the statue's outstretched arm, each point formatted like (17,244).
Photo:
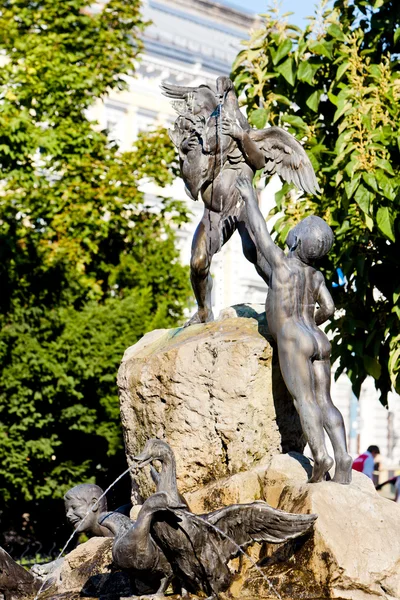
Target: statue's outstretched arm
(249,148)
(325,301)
(270,251)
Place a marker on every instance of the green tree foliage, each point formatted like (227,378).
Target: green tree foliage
(336,87)
(86,265)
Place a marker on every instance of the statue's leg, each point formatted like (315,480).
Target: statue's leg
(164,583)
(207,241)
(295,349)
(333,421)
(200,263)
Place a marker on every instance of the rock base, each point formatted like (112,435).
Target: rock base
(214,392)
(354,552)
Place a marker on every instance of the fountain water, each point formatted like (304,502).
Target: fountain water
(221,153)
(71,537)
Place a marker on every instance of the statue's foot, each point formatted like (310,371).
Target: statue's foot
(343,470)
(320,469)
(203,315)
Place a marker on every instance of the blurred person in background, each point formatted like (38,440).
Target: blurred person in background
(394,481)
(365,463)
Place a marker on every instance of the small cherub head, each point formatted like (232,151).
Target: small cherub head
(310,239)
(82,507)
(224,85)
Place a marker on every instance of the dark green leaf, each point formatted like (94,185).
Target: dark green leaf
(384,220)
(313,100)
(363,198)
(307,70)
(372,366)
(335,31)
(322,48)
(283,50)
(287,70)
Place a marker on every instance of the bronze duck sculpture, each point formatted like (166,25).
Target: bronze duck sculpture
(15,581)
(135,550)
(199,547)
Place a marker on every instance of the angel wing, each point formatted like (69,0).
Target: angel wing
(286,156)
(196,100)
(256,522)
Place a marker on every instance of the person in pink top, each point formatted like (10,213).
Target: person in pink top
(365,463)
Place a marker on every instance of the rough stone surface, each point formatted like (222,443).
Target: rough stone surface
(239,489)
(355,550)
(214,392)
(87,572)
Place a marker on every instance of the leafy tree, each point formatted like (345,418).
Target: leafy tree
(336,86)
(87,265)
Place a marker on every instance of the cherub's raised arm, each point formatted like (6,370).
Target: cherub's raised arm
(325,301)
(250,150)
(270,251)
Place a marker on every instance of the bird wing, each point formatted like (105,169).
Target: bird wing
(191,96)
(12,575)
(286,156)
(256,522)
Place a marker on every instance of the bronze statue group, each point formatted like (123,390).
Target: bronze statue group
(219,154)
(169,545)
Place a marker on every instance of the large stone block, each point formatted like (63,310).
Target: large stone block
(214,392)
(88,572)
(354,552)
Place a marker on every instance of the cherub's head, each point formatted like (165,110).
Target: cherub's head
(224,85)
(82,500)
(310,239)
(203,103)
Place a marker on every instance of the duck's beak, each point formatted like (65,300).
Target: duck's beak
(178,506)
(142,460)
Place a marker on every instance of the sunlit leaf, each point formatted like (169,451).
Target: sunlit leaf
(259,117)
(283,50)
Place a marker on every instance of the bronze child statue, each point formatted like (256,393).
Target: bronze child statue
(295,288)
(83,508)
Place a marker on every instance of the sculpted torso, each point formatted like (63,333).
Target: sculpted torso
(209,167)
(287,312)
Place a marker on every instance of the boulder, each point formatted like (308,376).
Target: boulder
(354,552)
(88,572)
(214,392)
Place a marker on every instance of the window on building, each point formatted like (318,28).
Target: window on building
(115,118)
(146,119)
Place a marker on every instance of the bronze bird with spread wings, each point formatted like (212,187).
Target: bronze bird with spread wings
(199,547)
(216,145)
